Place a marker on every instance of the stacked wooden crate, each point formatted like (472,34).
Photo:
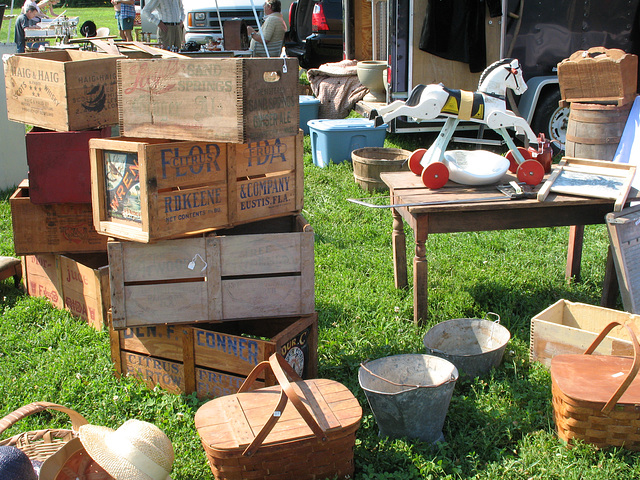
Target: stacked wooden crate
(210,261)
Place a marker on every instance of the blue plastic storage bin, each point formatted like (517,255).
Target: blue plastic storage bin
(334,140)
(309,106)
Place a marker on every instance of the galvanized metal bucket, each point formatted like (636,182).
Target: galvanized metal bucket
(409,394)
(473,345)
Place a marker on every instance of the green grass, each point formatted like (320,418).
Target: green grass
(500,426)
(102,17)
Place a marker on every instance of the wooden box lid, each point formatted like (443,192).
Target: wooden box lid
(227,425)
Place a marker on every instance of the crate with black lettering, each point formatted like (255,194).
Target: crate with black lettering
(210,359)
(258,270)
(234,100)
(146,190)
(64,90)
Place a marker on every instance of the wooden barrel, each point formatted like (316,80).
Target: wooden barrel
(594,131)
(370,162)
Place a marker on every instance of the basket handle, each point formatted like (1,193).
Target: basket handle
(76,419)
(284,374)
(634,368)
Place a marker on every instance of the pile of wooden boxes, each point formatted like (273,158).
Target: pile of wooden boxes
(197,205)
(67,97)
(599,86)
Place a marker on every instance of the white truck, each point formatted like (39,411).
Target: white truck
(205,18)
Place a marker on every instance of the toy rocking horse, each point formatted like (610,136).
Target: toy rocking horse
(487,106)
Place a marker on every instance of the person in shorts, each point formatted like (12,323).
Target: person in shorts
(125,15)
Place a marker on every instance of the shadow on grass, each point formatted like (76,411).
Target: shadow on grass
(516,308)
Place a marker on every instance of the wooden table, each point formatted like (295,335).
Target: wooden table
(405,188)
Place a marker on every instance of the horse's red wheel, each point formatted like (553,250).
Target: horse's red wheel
(513,164)
(414,161)
(530,172)
(435,175)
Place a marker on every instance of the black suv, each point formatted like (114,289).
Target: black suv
(315,35)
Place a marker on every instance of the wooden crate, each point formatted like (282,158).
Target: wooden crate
(59,167)
(53,228)
(78,283)
(258,270)
(147,190)
(213,359)
(62,90)
(598,75)
(42,278)
(233,100)
(569,328)
(85,286)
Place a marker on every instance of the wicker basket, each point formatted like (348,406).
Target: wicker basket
(306,428)
(43,445)
(596,398)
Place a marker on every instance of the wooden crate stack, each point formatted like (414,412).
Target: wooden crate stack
(68,97)
(196,206)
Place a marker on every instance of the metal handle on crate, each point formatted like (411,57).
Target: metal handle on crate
(630,326)
(492,314)
(11,419)
(284,374)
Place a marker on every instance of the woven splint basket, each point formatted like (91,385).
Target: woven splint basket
(299,429)
(596,398)
(41,444)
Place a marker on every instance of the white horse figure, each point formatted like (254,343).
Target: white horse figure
(487,106)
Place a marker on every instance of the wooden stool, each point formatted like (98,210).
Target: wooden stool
(11,267)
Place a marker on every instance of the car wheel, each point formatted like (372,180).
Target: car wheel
(551,119)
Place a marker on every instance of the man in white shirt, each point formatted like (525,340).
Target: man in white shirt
(168,15)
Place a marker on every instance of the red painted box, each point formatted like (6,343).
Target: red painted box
(59,166)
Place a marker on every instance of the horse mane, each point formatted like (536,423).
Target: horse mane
(490,68)
(414,96)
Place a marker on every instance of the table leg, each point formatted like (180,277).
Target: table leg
(610,286)
(420,272)
(574,253)
(399,251)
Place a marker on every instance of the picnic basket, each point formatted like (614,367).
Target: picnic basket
(596,398)
(56,453)
(299,429)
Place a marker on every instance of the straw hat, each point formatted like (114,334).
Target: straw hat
(15,464)
(136,451)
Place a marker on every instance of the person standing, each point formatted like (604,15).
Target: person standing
(125,14)
(168,15)
(273,30)
(25,19)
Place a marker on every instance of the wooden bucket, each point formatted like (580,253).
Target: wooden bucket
(370,162)
(594,131)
